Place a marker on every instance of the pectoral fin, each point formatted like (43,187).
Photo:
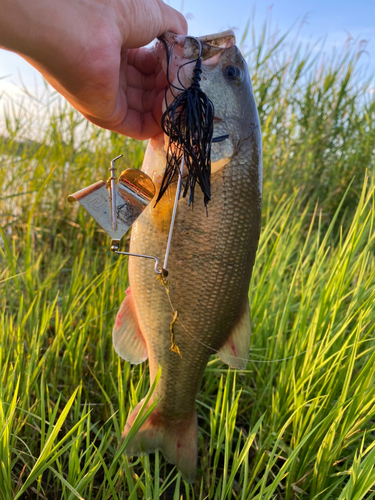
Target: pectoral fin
(128,340)
(235,352)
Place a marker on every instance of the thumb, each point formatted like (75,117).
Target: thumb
(173,21)
(144,20)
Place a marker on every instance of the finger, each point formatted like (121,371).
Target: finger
(134,122)
(139,100)
(173,21)
(137,125)
(140,126)
(143,59)
(150,23)
(136,79)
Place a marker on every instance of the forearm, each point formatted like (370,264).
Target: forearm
(46,31)
(84,50)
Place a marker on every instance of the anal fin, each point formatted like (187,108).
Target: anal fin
(235,351)
(127,337)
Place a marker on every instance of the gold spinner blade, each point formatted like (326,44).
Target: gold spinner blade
(116,206)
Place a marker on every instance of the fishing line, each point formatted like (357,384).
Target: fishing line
(168,57)
(216,351)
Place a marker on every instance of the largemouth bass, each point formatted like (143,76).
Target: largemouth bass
(210,262)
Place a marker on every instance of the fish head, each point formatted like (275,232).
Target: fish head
(225,79)
(227,83)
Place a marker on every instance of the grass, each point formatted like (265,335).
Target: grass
(299,422)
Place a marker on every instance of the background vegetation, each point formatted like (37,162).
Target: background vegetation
(299,421)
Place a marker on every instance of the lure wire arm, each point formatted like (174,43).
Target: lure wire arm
(113,180)
(163,271)
(157,270)
(115,249)
(178,191)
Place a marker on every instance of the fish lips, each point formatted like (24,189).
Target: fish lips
(210,45)
(185,49)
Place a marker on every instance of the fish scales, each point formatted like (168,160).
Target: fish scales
(209,275)
(210,264)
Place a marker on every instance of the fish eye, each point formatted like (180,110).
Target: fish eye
(233,73)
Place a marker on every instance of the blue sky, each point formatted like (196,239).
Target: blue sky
(329,17)
(332,20)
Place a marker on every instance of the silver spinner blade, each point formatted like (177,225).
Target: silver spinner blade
(133,193)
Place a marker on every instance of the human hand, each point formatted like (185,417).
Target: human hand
(89,51)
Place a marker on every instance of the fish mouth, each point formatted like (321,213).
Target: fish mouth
(182,49)
(185,49)
(211,45)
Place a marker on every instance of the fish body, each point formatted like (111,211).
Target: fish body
(210,264)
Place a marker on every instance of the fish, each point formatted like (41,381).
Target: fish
(212,253)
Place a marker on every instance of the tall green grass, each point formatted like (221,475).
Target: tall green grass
(317,111)
(299,421)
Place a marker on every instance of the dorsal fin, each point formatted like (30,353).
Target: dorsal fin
(235,351)
(127,337)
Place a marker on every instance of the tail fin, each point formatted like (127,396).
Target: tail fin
(177,439)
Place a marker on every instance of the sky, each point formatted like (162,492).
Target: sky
(330,20)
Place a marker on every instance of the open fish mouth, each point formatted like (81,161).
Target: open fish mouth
(184,49)
(211,44)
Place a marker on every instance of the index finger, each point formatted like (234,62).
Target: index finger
(144,59)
